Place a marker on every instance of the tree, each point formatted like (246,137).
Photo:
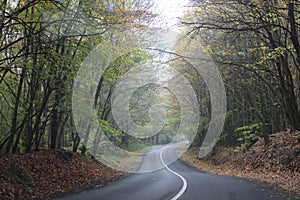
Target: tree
(42,45)
(255,44)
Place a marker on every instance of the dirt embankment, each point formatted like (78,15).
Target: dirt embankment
(277,165)
(50,173)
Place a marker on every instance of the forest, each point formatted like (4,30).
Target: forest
(254,44)
(43,43)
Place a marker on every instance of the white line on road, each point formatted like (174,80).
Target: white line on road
(184,187)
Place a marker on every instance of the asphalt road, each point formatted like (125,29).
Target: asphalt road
(177,181)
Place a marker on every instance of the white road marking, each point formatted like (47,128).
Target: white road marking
(184,187)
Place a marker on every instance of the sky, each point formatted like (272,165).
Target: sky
(169,11)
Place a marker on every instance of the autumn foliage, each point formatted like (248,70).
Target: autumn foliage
(277,164)
(49,173)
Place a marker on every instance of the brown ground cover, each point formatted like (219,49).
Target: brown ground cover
(50,173)
(276,165)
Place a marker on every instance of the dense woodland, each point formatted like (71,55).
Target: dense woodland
(255,44)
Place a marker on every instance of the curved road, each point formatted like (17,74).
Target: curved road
(177,181)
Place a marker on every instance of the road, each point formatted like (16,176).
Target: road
(177,181)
